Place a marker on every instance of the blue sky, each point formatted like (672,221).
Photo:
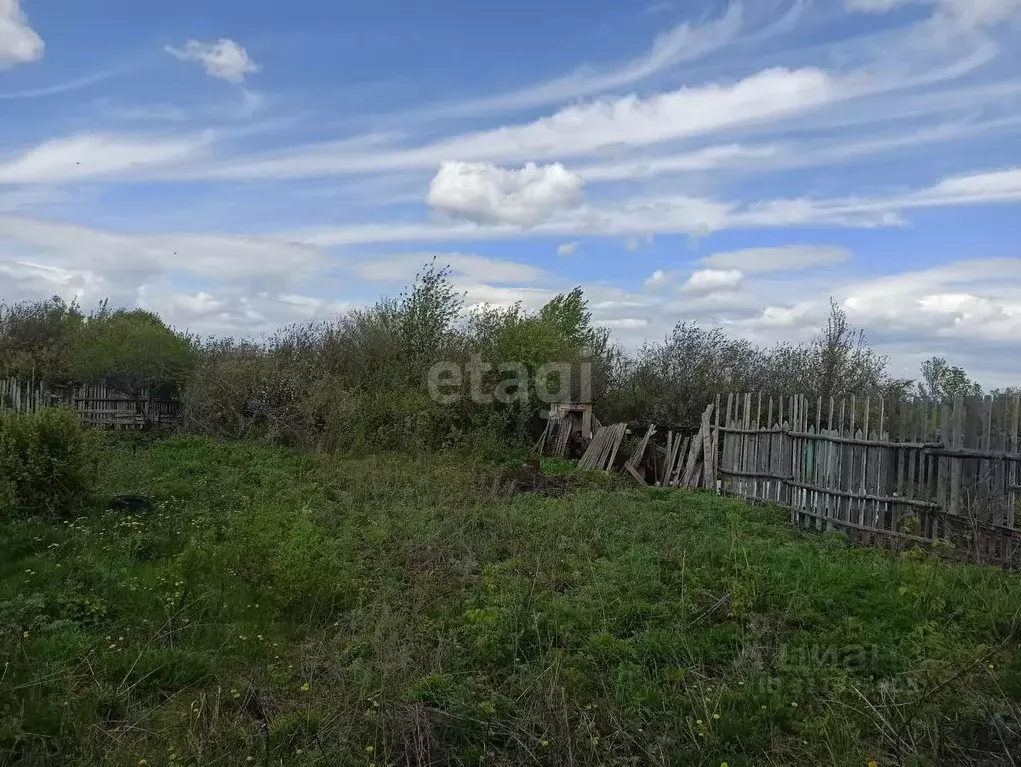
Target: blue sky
(238,166)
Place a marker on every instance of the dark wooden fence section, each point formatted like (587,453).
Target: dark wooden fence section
(888,473)
(97,405)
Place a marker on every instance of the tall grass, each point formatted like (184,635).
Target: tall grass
(287,607)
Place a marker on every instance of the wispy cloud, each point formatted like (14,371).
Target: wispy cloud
(224,58)
(74,84)
(777,259)
(93,155)
(685,42)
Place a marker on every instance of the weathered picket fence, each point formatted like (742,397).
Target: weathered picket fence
(97,405)
(888,473)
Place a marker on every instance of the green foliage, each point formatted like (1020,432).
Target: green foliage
(941,380)
(37,339)
(670,383)
(360,382)
(131,350)
(47,462)
(297,608)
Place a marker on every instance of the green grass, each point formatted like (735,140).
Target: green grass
(284,608)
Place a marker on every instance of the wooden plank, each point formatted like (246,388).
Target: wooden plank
(697,448)
(618,438)
(784,466)
(873,461)
(707,446)
(767,439)
(857,495)
(957,465)
(1012,479)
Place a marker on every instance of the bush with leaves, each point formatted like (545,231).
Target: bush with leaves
(37,339)
(48,462)
(131,350)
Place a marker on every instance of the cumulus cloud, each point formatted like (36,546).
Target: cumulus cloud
(713,280)
(488,194)
(567,249)
(19,43)
(782,258)
(659,279)
(225,58)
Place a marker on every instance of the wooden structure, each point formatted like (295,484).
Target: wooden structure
(602,450)
(567,422)
(97,405)
(690,461)
(888,473)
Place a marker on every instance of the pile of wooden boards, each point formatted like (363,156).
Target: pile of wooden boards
(602,450)
(691,461)
(638,456)
(687,462)
(556,437)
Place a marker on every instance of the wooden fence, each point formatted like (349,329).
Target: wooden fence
(97,405)
(889,473)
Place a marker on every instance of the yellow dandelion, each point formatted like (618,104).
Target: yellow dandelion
(716,716)
(370,748)
(306,687)
(544,743)
(794,704)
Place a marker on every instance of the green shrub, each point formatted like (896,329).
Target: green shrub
(48,462)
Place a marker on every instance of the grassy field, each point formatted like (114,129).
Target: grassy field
(283,608)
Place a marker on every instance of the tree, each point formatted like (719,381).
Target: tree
(941,380)
(845,363)
(37,339)
(132,350)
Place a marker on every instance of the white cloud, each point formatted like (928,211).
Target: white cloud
(782,258)
(973,13)
(225,58)
(978,299)
(876,6)
(713,280)
(685,42)
(627,122)
(19,43)
(567,249)
(95,154)
(659,279)
(402,267)
(625,323)
(636,121)
(488,194)
(639,217)
(992,186)
(729,155)
(236,259)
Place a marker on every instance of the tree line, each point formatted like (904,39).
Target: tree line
(358,380)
